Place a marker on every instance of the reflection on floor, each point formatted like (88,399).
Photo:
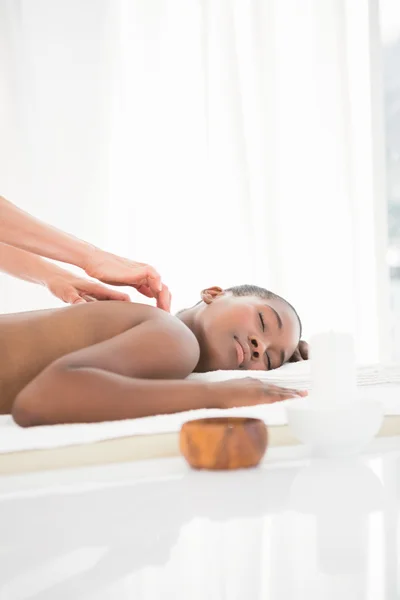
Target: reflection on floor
(295,528)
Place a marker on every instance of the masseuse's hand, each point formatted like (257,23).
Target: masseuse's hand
(23,232)
(116,270)
(301,352)
(77,290)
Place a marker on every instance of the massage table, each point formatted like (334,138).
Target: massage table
(67,446)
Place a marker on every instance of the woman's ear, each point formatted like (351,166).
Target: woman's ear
(209,294)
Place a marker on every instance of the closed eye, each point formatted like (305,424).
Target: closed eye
(263,328)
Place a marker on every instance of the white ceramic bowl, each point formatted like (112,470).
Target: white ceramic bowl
(335,431)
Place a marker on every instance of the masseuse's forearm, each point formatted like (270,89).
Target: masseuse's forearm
(19,229)
(26,266)
(85,395)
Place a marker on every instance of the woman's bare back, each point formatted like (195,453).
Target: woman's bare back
(31,341)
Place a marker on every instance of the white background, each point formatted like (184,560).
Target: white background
(224,142)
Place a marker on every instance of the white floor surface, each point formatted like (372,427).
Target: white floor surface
(294,528)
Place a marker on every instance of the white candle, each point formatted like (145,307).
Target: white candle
(333,370)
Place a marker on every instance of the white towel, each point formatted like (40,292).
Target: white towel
(298,375)
(378,382)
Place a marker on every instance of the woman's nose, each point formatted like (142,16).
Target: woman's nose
(257,349)
(257,359)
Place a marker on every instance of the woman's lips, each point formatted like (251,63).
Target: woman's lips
(239,352)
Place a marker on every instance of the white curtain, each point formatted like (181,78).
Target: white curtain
(222,141)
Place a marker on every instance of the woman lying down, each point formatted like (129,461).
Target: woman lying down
(105,361)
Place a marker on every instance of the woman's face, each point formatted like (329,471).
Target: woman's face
(246,332)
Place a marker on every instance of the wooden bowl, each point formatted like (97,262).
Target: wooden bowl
(223,442)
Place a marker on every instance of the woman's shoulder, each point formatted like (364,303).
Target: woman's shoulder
(134,313)
(176,343)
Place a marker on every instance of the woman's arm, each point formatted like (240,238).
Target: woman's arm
(61,283)
(90,395)
(129,376)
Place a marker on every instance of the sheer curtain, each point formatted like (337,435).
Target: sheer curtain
(55,69)
(223,141)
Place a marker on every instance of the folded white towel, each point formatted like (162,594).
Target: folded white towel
(377,382)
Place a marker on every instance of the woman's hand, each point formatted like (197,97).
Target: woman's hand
(249,391)
(115,270)
(76,290)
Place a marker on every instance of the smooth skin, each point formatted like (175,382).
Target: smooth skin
(116,360)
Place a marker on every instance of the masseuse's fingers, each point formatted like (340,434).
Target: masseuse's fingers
(65,292)
(153,279)
(163,298)
(145,290)
(116,270)
(71,296)
(100,292)
(88,298)
(76,290)
(147,276)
